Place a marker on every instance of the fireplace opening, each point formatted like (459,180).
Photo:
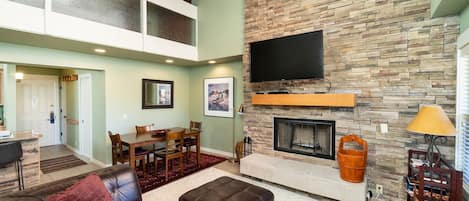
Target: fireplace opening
(303,136)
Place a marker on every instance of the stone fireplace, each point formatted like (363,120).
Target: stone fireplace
(304,136)
(391,54)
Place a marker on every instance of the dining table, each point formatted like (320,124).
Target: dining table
(133,141)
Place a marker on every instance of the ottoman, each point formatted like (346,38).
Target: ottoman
(229,189)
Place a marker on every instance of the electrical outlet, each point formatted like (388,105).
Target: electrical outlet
(379,189)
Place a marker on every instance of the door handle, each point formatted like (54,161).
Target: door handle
(52,117)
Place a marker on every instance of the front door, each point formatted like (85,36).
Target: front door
(37,107)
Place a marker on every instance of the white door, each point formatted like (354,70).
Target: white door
(84,115)
(37,107)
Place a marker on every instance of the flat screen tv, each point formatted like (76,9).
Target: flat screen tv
(288,58)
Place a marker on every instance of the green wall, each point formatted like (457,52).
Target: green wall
(433,6)
(98,115)
(443,8)
(220,28)
(217,131)
(71,110)
(464,19)
(122,94)
(9,97)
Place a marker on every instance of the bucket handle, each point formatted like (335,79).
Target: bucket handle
(353,138)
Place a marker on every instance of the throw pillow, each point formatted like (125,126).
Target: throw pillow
(90,188)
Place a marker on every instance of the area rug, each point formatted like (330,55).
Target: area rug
(173,190)
(149,181)
(60,163)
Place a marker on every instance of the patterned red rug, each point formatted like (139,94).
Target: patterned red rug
(150,181)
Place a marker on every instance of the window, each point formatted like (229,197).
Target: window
(462,115)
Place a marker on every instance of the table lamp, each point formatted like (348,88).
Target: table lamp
(432,121)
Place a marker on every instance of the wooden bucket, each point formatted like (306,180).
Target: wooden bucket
(352,163)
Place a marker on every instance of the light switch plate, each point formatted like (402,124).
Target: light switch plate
(384,128)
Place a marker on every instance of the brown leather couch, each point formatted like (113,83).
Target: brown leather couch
(120,181)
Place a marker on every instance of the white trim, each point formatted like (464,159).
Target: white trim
(82,30)
(21,17)
(216,151)
(47,14)
(177,6)
(459,157)
(143,20)
(63,111)
(81,136)
(73,149)
(91,160)
(99,163)
(161,46)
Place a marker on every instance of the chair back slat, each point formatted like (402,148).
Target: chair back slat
(144,129)
(174,140)
(117,150)
(194,125)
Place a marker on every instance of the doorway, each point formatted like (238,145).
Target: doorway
(37,107)
(84,115)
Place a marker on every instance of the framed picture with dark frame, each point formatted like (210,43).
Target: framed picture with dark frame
(218,97)
(157,94)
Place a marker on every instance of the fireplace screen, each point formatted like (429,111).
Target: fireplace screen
(307,137)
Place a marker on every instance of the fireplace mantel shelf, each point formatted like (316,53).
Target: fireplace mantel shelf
(318,100)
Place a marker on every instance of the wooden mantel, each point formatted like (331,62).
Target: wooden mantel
(318,100)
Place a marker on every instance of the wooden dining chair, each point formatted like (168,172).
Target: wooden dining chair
(145,129)
(173,150)
(122,156)
(191,141)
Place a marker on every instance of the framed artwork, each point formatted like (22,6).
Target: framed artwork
(157,94)
(218,97)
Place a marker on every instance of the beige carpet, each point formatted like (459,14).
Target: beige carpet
(172,191)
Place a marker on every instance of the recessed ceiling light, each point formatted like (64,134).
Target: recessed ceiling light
(99,50)
(170,61)
(212,62)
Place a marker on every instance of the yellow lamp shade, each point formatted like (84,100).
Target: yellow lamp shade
(432,120)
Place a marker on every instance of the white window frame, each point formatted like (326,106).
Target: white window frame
(461,114)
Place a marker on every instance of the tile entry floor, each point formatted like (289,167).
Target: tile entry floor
(56,151)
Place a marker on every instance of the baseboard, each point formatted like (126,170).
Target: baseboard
(91,160)
(99,163)
(72,148)
(216,151)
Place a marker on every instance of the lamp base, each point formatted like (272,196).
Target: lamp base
(433,141)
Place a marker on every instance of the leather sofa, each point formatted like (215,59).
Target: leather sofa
(120,181)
